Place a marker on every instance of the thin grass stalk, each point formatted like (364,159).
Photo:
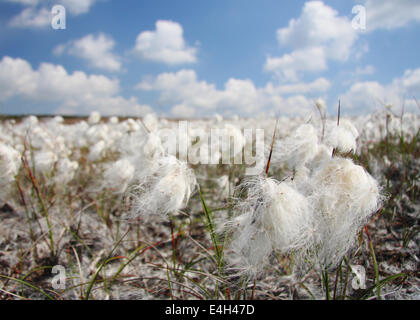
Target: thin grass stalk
(267,167)
(214,237)
(337,273)
(325,281)
(29,285)
(375,264)
(92,281)
(28,218)
(42,203)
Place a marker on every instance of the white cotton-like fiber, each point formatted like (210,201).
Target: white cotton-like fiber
(288,217)
(9,167)
(344,195)
(274,215)
(233,133)
(94,118)
(146,158)
(297,149)
(323,155)
(44,161)
(113,120)
(118,175)
(153,146)
(66,170)
(342,137)
(347,181)
(97,151)
(218,118)
(151,122)
(165,190)
(131,125)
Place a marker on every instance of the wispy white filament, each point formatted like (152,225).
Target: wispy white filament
(274,215)
(9,166)
(165,190)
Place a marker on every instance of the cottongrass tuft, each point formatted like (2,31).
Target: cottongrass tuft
(118,175)
(94,118)
(344,196)
(315,216)
(274,215)
(165,190)
(9,166)
(66,170)
(342,137)
(297,149)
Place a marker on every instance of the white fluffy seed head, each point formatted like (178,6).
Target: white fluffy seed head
(113,120)
(274,215)
(344,196)
(153,147)
(97,151)
(9,167)
(346,184)
(66,170)
(151,122)
(165,190)
(118,175)
(288,216)
(9,161)
(44,161)
(132,125)
(297,149)
(342,137)
(94,118)
(232,133)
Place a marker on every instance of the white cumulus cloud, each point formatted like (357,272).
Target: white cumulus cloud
(290,66)
(367,96)
(390,14)
(318,35)
(166,44)
(96,50)
(72,93)
(31,17)
(37,13)
(189,96)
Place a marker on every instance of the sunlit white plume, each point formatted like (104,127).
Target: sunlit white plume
(113,120)
(44,161)
(342,137)
(274,215)
(233,133)
(94,118)
(165,190)
(297,149)
(9,167)
(97,151)
(66,170)
(131,125)
(118,175)
(151,122)
(148,154)
(344,196)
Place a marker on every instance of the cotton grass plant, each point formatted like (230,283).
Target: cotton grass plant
(314,219)
(127,219)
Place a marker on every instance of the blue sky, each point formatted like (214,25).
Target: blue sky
(197,58)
